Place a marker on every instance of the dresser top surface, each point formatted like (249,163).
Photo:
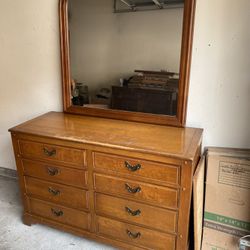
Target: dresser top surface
(146,138)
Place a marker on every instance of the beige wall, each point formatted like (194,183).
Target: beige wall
(219,99)
(220,77)
(106,46)
(29,65)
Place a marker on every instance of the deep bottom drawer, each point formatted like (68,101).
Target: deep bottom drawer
(135,235)
(49,152)
(60,214)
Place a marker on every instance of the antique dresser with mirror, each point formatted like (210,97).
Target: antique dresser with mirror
(117,165)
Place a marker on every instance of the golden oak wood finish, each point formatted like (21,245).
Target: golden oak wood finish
(135,190)
(173,142)
(185,64)
(123,183)
(55,173)
(52,153)
(164,173)
(59,213)
(136,235)
(61,194)
(136,213)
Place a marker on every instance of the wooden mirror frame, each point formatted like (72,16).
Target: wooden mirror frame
(185,63)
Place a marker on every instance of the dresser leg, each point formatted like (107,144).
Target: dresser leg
(27,220)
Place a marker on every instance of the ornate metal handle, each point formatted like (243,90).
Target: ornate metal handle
(53,191)
(52,171)
(57,213)
(49,152)
(133,213)
(132,190)
(132,168)
(133,235)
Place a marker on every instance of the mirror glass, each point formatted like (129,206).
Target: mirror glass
(125,54)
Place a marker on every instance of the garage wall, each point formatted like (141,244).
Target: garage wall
(30,82)
(219,93)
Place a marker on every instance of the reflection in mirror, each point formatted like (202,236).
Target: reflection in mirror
(125,54)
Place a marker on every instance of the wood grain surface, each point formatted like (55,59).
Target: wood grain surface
(146,138)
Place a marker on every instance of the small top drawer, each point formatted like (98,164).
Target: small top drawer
(69,156)
(147,170)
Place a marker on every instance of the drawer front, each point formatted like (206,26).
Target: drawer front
(64,155)
(50,172)
(137,168)
(161,196)
(134,235)
(134,212)
(65,195)
(60,214)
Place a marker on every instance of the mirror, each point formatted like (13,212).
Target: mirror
(125,58)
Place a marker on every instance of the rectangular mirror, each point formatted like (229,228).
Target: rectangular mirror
(123,58)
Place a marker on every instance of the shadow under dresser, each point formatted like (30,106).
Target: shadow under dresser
(123,183)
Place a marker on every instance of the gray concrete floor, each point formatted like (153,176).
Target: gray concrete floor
(14,235)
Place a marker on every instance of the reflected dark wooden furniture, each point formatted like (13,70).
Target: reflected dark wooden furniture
(146,100)
(122,183)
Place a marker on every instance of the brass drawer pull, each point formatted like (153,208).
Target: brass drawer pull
(133,235)
(133,213)
(132,168)
(57,213)
(132,190)
(53,191)
(48,152)
(52,171)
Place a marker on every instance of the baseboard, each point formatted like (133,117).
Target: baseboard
(6,172)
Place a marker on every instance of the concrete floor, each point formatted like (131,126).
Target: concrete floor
(14,235)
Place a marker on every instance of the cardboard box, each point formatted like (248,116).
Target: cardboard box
(227,198)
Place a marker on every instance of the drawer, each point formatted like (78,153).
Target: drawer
(64,155)
(59,214)
(135,235)
(55,173)
(161,196)
(65,195)
(137,168)
(134,212)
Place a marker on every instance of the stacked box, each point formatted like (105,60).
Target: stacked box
(227,198)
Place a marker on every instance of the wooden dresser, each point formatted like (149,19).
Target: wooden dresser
(123,183)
